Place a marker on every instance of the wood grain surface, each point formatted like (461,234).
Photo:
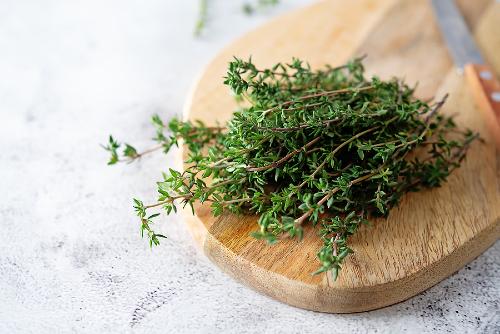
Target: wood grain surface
(432,233)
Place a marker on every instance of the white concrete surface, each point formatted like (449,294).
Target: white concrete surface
(71,259)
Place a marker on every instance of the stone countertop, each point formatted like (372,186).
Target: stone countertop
(71,259)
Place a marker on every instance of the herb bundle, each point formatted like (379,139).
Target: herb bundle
(325,147)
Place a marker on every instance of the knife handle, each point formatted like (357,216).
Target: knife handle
(486,91)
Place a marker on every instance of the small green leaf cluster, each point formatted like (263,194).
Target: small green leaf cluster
(113,146)
(334,233)
(195,135)
(326,147)
(146,222)
(129,153)
(249,8)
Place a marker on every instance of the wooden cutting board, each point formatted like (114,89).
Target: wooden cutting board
(432,233)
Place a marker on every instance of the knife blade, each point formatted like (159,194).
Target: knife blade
(462,47)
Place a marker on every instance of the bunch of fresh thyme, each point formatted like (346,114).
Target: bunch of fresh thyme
(327,147)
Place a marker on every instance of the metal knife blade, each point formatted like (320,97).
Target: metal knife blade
(457,36)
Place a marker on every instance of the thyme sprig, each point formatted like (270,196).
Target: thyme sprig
(326,147)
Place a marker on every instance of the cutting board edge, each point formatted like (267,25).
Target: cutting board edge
(329,299)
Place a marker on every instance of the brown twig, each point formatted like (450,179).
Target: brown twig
(334,243)
(285,158)
(325,198)
(327,122)
(169,200)
(327,93)
(436,108)
(338,148)
(322,201)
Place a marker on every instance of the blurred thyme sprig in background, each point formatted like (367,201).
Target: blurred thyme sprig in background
(248,8)
(201,22)
(326,147)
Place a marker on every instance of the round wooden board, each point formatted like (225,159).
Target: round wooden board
(432,233)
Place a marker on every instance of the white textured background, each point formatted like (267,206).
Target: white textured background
(71,259)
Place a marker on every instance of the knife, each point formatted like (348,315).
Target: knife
(466,56)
